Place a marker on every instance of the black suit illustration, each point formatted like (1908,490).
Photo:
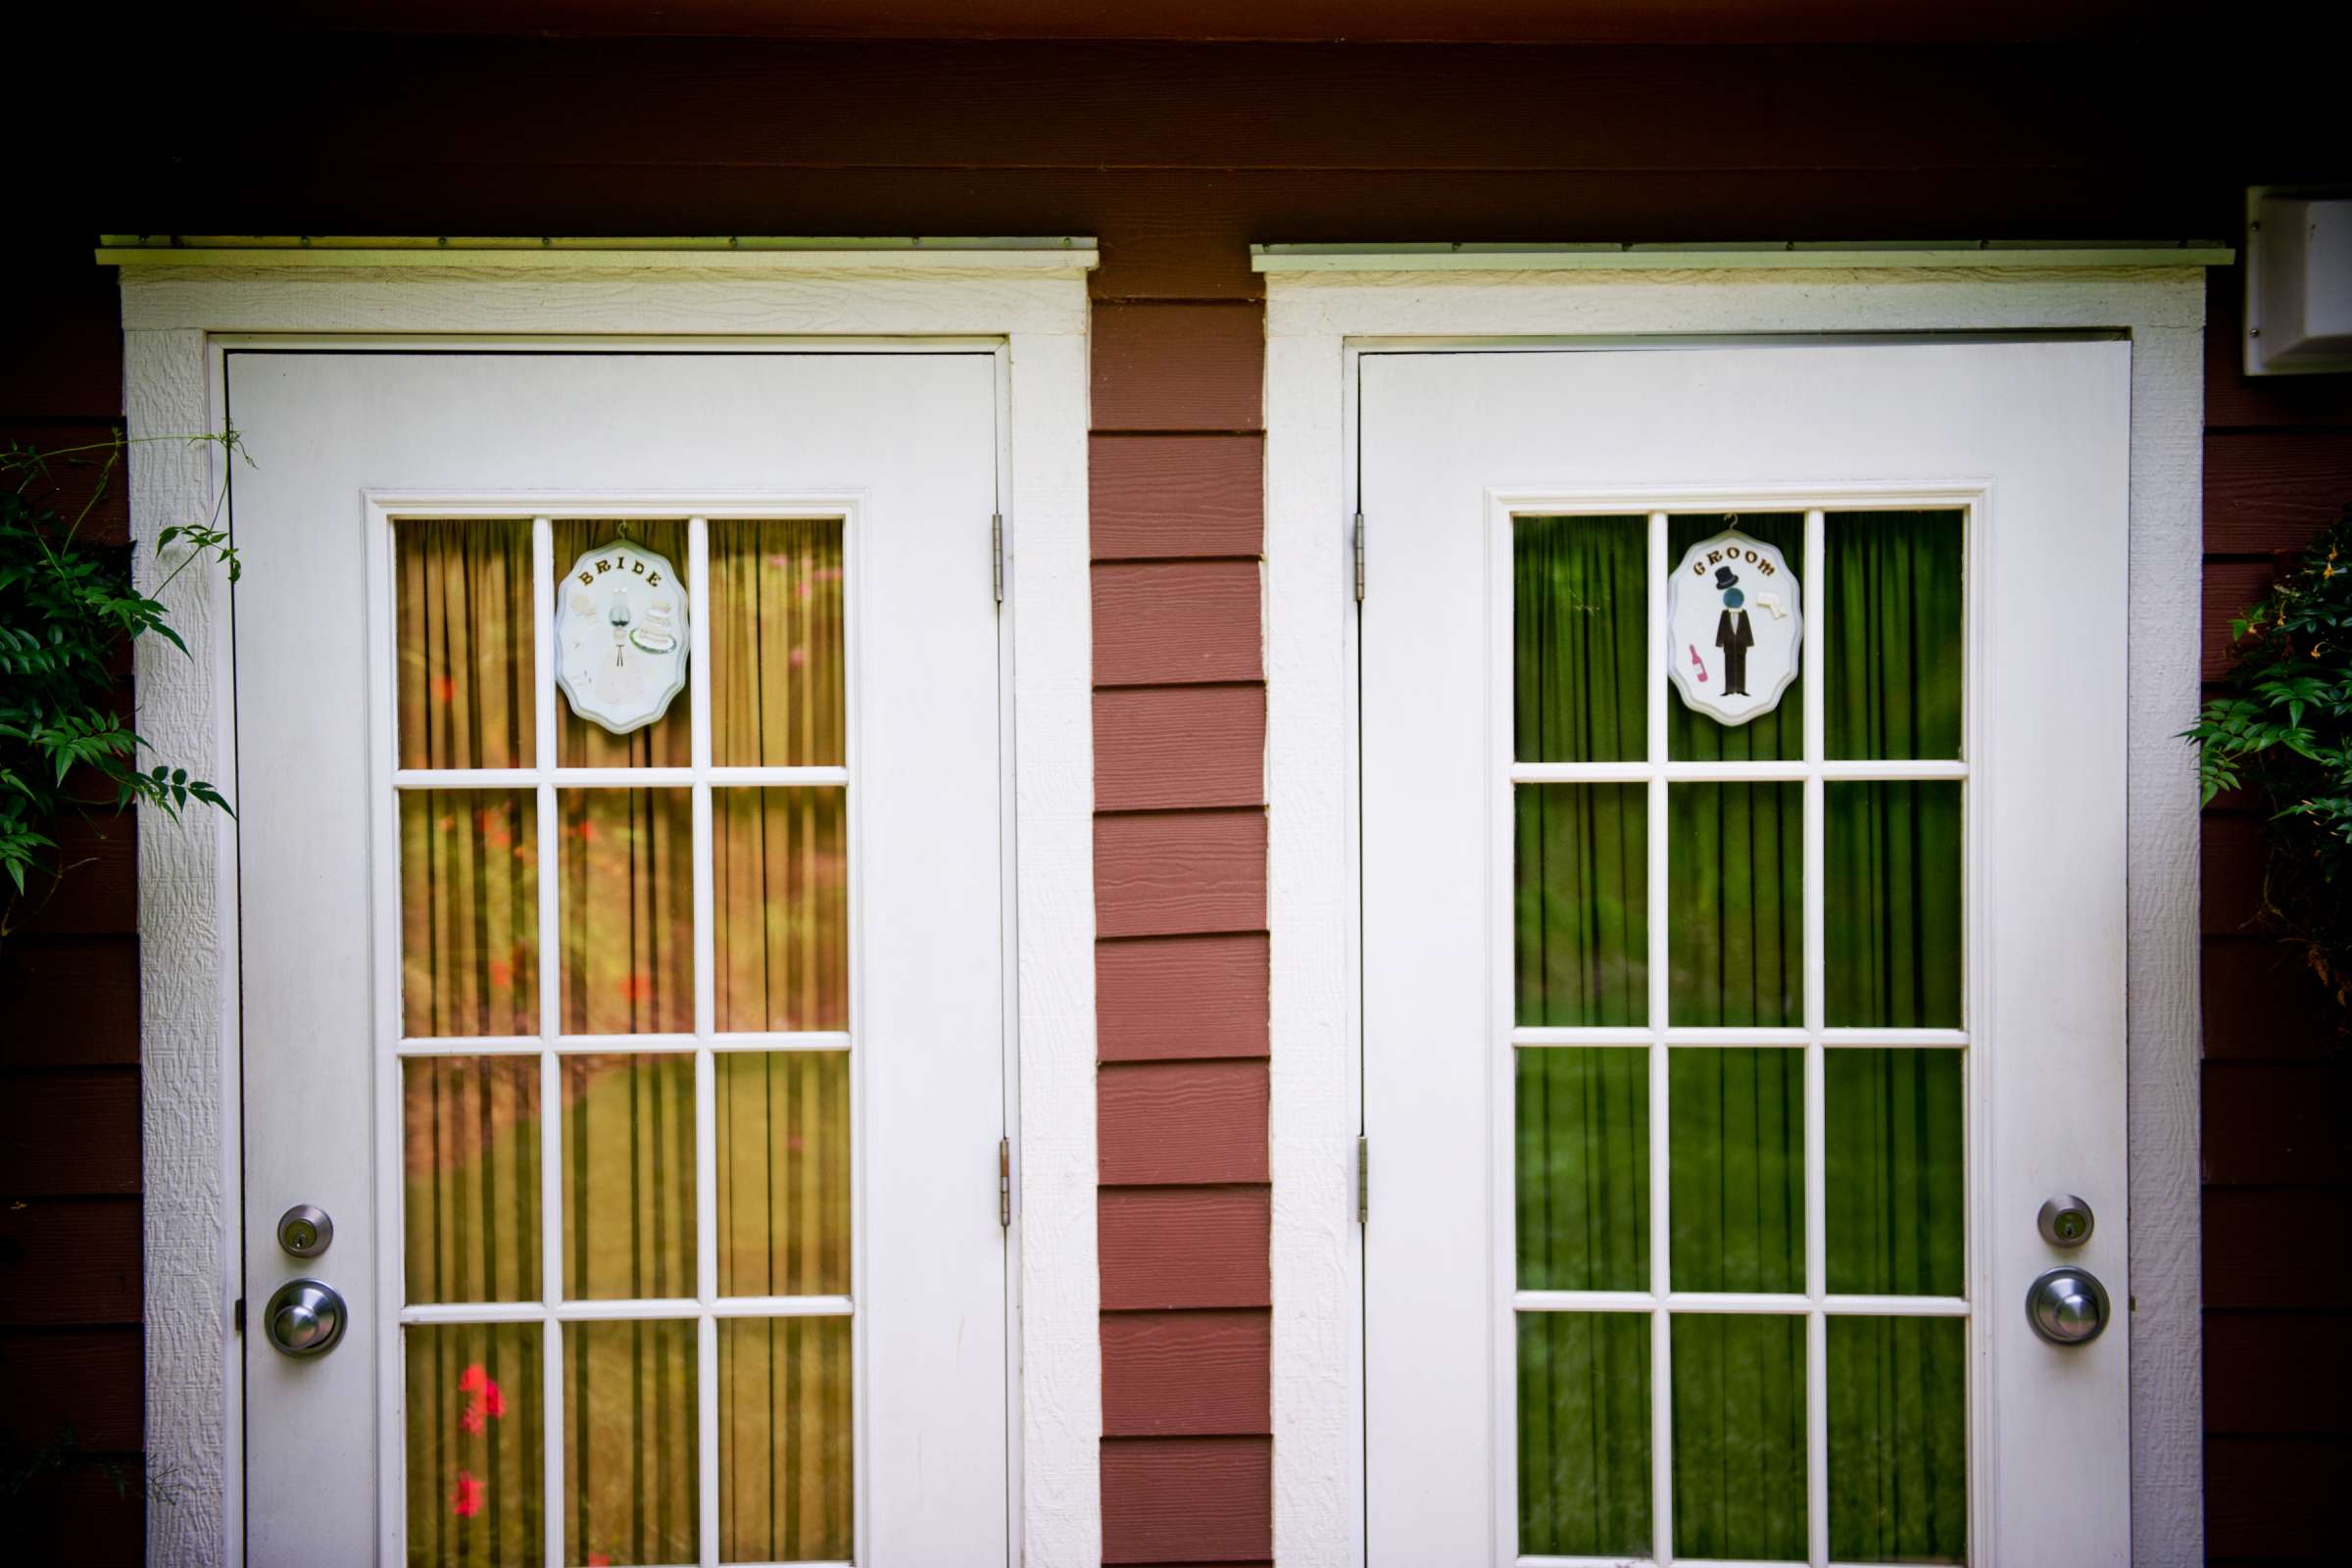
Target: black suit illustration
(1735,637)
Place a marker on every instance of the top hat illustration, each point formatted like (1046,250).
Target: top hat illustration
(1725,576)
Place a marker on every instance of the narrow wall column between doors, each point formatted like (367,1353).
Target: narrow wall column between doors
(1176,461)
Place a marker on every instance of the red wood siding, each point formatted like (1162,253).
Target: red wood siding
(2278,1084)
(1180,900)
(71,1341)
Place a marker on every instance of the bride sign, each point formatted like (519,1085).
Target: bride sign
(621,636)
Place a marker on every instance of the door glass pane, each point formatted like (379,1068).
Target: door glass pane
(1891,633)
(1582,903)
(629,1176)
(477,1453)
(465,643)
(1739,1436)
(469,913)
(1736,1158)
(1735,921)
(631,1448)
(1584,1168)
(785,1429)
(1584,1432)
(470,1164)
(778,673)
(783,1173)
(783,903)
(668,741)
(1895,1197)
(627,911)
(1892,904)
(1580,628)
(1777,736)
(1898,1439)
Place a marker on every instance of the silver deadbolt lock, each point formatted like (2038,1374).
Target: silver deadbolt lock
(306,1317)
(305,1231)
(2067,1306)
(2065,1221)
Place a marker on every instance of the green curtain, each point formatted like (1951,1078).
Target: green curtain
(1890,604)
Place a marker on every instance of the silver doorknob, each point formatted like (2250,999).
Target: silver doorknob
(2067,1306)
(305,1318)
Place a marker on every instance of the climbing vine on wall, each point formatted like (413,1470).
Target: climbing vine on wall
(68,612)
(2284,733)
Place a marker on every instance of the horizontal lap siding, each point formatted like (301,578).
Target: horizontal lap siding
(72,1357)
(1185,1210)
(2276,1079)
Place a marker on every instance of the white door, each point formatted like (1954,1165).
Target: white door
(650,1066)
(1743,960)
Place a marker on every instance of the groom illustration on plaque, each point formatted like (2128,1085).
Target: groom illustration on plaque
(1733,634)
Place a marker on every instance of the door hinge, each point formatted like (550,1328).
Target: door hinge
(1005,1182)
(996,550)
(1363,1180)
(237,1315)
(1360,557)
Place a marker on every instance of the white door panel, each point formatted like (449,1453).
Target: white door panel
(2025,444)
(903,449)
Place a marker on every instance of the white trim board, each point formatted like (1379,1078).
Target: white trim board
(176,322)
(1315,323)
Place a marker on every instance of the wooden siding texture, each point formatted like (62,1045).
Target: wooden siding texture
(1177,157)
(2276,1081)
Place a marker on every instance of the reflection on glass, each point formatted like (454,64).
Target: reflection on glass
(1584,1168)
(466,639)
(470,1162)
(1735,892)
(1584,1433)
(469,913)
(1898,1439)
(1780,735)
(1735,1163)
(786,1479)
(1891,633)
(667,742)
(631,1443)
(783,1173)
(1891,905)
(1895,1172)
(1579,627)
(477,1453)
(778,666)
(1580,904)
(780,873)
(627,911)
(629,1176)
(1739,1436)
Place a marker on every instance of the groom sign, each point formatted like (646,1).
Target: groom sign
(1735,622)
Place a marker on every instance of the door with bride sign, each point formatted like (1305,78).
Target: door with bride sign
(1743,772)
(622,860)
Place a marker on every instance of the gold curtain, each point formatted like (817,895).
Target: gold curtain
(625,902)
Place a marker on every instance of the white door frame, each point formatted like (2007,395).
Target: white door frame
(180,310)
(1321,312)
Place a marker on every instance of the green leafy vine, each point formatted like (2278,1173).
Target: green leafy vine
(67,613)
(2284,733)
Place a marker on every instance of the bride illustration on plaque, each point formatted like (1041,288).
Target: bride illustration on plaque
(620,635)
(1734,619)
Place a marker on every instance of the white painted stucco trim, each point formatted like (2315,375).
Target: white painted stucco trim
(1313,319)
(187,889)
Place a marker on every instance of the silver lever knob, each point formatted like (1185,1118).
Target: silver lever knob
(305,1318)
(2067,1306)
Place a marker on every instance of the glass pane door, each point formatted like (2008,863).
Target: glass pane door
(1741,1050)
(627,1069)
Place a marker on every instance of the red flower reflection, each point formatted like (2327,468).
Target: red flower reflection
(489,1401)
(467,1500)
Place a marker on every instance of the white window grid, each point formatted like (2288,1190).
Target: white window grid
(706,1307)
(1660,1302)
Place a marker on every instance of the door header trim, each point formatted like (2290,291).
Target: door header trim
(1780,255)
(735,252)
